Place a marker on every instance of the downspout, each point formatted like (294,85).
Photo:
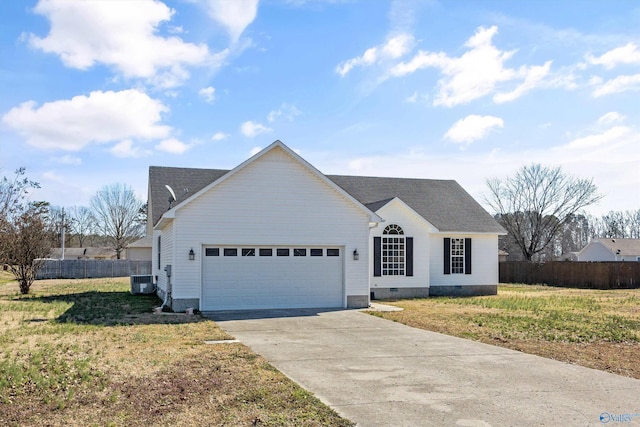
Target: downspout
(167,269)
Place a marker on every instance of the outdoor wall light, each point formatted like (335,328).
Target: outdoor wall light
(192,255)
(356,255)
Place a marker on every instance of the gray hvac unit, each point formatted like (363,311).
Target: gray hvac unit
(142,284)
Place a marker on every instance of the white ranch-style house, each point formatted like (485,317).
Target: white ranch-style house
(275,232)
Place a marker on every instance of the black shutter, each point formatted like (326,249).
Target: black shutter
(409,258)
(377,256)
(447,255)
(467,256)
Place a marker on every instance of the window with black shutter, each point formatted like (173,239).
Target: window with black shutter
(393,253)
(457,255)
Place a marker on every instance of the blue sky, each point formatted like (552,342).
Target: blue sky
(94,92)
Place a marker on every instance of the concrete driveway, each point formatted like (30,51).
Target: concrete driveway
(379,373)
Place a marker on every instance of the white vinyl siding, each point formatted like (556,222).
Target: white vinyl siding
(596,251)
(166,255)
(270,202)
(413,225)
(484,261)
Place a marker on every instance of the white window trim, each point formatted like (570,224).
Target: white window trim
(393,260)
(457,256)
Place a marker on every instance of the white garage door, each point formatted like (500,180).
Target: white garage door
(239,278)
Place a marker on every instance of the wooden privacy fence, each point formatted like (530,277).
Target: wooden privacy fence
(92,268)
(588,275)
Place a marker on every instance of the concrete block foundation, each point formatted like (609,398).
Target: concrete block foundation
(399,293)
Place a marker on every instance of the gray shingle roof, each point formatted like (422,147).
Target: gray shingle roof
(444,203)
(185,182)
(627,247)
(145,242)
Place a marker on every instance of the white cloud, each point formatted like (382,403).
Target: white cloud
(476,73)
(122,35)
(53,176)
(416,97)
(208,93)
(287,111)
(627,54)
(127,149)
(611,117)
(604,139)
(101,117)
(255,150)
(172,146)
(596,80)
(219,136)
(252,129)
(394,48)
(533,76)
(68,159)
(234,15)
(608,156)
(472,128)
(617,85)
(412,99)
(611,160)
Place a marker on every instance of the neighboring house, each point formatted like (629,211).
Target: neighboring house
(611,250)
(83,253)
(140,250)
(502,255)
(274,232)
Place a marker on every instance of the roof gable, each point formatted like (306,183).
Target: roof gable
(287,152)
(623,247)
(442,203)
(406,208)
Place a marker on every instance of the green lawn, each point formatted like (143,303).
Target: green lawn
(83,353)
(594,328)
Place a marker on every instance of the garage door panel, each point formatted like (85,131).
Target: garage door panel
(254,282)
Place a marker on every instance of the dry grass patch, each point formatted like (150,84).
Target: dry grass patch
(593,328)
(85,353)
(5,276)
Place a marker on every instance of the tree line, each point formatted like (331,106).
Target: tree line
(576,232)
(541,209)
(29,229)
(114,219)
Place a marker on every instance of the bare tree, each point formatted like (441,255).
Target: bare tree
(13,192)
(633,223)
(617,225)
(82,223)
(24,236)
(535,204)
(24,243)
(57,220)
(116,208)
(614,225)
